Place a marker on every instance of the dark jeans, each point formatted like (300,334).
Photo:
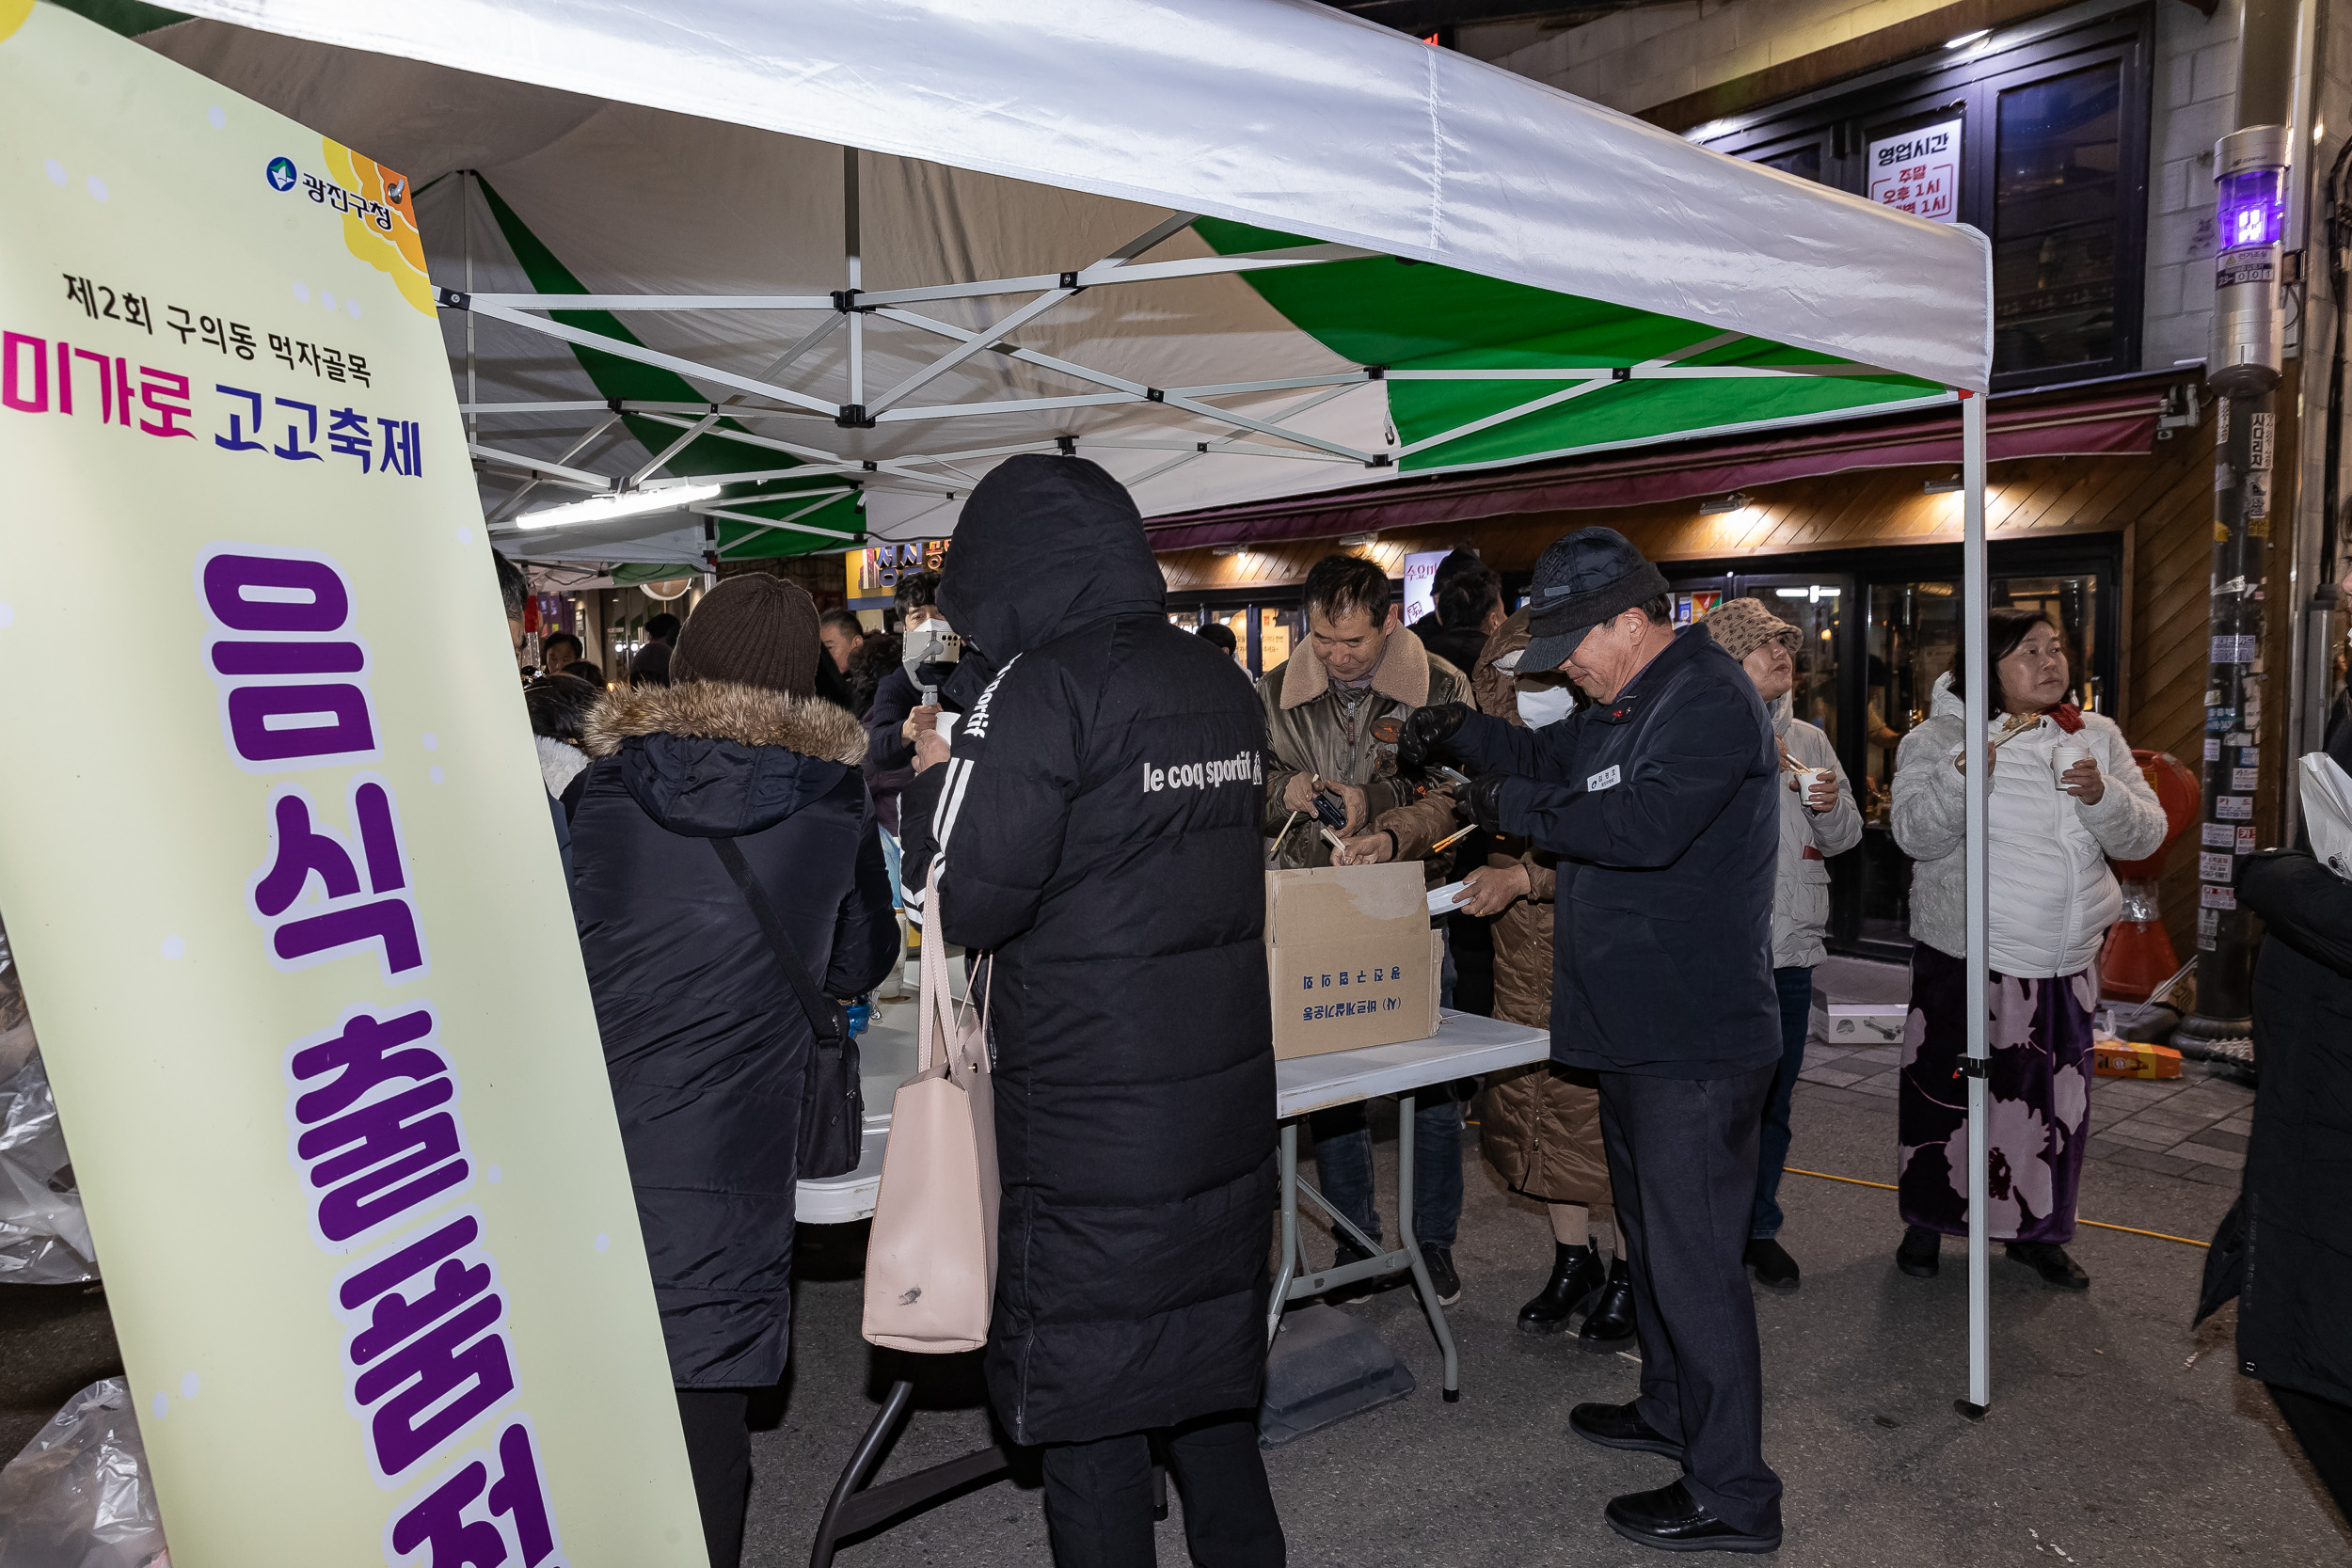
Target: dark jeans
(1098,1498)
(1682,1162)
(1344,1164)
(719,1451)
(1796,1017)
(2323,1429)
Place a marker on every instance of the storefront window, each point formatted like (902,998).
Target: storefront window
(2041,144)
(2055,211)
(1914,632)
(1275,632)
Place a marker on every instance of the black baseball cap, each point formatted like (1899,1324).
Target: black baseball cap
(1581,580)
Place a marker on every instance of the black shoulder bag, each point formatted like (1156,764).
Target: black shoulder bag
(833,1111)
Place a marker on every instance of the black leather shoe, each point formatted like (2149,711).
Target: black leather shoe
(2049,1261)
(1610,1326)
(1671,1520)
(1620,1426)
(1916,1257)
(1774,1269)
(1440,1262)
(1577,1277)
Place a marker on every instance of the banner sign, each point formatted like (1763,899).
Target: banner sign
(277,862)
(1918,171)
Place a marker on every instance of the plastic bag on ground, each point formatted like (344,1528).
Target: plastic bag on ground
(78,1497)
(44,1237)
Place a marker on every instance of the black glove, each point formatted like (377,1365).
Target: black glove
(1482,799)
(1426,733)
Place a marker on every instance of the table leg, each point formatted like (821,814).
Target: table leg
(1280,1297)
(856,1507)
(1405,1108)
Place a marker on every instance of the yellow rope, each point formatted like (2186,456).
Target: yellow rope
(1889,1186)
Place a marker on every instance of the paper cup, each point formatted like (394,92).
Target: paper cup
(946,723)
(1808,779)
(2064,755)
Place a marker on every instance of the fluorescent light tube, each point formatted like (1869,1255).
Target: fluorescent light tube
(621,503)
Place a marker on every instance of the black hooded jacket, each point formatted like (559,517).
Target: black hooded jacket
(705,1041)
(2292,1325)
(1098,832)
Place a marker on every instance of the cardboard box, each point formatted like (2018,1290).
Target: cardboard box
(1351,957)
(2116,1058)
(1866,1022)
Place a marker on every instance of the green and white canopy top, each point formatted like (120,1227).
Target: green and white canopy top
(794,276)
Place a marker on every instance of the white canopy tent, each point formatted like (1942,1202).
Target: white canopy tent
(793,276)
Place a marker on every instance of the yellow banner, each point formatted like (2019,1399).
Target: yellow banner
(277,862)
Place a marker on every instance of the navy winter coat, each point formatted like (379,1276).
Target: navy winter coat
(1662,809)
(705,1043)
(1098,832)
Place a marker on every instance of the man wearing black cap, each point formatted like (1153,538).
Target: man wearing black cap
(1658,799)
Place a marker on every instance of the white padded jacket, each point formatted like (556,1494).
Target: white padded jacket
(1801,889)
(2053,893)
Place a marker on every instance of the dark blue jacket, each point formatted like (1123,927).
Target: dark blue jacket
(1661,807)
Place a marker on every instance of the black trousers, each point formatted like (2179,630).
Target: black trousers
(719,1451)
(1098,1498)
(1682,1157)
(2324,1428)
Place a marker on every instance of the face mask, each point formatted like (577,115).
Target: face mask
(1545,704)
(932,642)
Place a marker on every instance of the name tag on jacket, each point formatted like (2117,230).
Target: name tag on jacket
(1606,779)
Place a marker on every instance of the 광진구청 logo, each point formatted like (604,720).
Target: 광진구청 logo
(281,174)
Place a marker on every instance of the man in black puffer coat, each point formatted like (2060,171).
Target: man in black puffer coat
(1097,833)
(706,1042)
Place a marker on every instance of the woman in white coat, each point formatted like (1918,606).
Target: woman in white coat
(2066,796)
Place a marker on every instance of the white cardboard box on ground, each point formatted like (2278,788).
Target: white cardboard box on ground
(1866,1022)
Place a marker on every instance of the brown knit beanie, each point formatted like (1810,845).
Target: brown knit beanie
(1744,625)
(751,630)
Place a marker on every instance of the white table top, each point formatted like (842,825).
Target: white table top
(1464,1046)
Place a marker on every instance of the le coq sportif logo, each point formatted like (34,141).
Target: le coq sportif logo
(1241,768)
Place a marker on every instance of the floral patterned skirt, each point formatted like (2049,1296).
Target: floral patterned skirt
(2039,1038)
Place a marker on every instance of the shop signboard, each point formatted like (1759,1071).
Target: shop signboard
(1421,581)
(1918,171)
(288,907)
(874,573)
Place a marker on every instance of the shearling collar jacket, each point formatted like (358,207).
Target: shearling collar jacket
(1308,731)
(711,759)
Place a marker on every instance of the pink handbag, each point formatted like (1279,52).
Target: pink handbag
(931,1262)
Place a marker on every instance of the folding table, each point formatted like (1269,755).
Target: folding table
(1464,1046)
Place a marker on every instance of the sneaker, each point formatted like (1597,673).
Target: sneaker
(1439,1260)
(1774,1269)
(2049,1261)
(1916,1257)
(1344,1253)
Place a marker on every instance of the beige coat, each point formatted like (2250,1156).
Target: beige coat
(1540,1128)
(1307,733)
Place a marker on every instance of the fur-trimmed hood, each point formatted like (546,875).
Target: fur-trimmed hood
(711,759)
(1401,675)
(719,710)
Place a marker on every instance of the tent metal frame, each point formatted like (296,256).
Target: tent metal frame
(773,396)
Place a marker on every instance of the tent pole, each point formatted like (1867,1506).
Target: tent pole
(465,226)
(853,249)
(1975,593)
